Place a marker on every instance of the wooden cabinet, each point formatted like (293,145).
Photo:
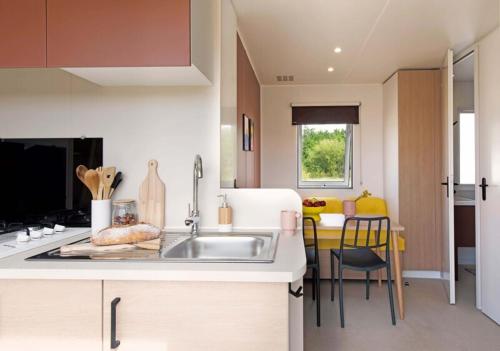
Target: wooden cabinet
(150,315)
(22,33)
(118,33)
(77,315)
(113,42)
(184,316)
(248,103)
(50,315)
(412,162)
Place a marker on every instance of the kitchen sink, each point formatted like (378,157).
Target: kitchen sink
(218,247)
(250,247)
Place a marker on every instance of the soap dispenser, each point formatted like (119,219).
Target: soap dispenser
(225,215)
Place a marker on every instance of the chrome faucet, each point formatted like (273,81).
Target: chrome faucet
(194,214)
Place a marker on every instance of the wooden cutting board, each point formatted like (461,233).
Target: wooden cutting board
(152,197)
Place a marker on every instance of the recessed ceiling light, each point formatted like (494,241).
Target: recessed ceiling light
(331,69)
(338,50)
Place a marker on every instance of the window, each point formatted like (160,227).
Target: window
(467,148)
(325,156)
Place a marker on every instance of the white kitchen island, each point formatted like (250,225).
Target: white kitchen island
(91,305)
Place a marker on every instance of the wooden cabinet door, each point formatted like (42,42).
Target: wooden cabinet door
(201,316)
(248,103)
(56,315)
(119,33)
(22,33)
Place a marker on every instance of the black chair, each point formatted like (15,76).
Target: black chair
(357,254)
(312,255)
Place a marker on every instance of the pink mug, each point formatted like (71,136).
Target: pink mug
(349,208)
(289,221)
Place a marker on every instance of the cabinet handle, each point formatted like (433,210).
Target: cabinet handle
(297,293)
(114,342)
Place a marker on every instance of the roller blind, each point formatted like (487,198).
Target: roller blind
(325,115)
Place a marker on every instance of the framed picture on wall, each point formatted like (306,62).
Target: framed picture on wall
(247,133)
(252,133)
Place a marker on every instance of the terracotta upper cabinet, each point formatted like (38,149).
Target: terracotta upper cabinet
(22,33)
(117,33)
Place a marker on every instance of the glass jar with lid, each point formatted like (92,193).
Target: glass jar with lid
(124,213)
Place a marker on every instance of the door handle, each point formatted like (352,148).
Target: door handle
(447,187)
(483,187)
(114,342)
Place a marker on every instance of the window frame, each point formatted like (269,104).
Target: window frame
(348,172)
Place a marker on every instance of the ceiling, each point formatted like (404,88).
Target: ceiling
(377,37)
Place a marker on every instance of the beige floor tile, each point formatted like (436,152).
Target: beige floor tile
(430,323)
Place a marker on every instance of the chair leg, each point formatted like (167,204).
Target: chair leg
(341,297)
(391,299)
(314,284)
(318,298)
(368,285)
(332,264)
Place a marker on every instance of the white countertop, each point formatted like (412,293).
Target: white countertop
(289,265)
(9,246)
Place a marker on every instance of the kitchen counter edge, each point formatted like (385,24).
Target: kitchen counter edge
(289,265)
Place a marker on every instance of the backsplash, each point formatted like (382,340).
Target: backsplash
(137,124)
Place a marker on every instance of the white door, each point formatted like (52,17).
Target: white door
(448,232)
(489,174)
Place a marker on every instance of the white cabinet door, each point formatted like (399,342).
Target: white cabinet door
(204,316)
(56,315)
(448,232)
(489,171)
(296,319)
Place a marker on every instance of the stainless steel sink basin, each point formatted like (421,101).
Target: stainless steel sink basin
(218,247)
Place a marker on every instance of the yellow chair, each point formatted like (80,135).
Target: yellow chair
(371,206)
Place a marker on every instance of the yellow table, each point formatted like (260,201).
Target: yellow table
(396,229)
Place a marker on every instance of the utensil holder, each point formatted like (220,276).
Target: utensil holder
(101,215)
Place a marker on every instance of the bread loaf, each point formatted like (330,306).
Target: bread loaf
(126,235)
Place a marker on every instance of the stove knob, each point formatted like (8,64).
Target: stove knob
(22,237)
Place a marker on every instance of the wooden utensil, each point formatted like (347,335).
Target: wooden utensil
(108,175)
(92,182)
(80,173)
(152,197)
(100,189)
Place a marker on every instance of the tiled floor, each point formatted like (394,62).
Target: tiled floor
(430,323)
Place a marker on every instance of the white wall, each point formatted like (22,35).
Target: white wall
(229,150)
(279,137)
(170,124)
(391,146)
(137,124)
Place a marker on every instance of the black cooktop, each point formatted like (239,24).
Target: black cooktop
(68,218)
